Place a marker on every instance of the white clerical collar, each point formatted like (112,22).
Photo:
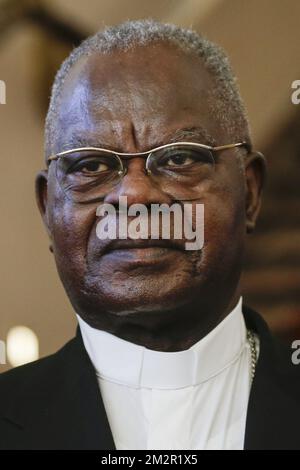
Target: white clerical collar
(126,363)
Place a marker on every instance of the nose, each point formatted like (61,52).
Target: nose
(137,186)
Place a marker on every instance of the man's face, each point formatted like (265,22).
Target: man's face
(132,102)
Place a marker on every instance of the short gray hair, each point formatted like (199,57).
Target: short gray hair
(225,102)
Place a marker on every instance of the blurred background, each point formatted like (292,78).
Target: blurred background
(262,39)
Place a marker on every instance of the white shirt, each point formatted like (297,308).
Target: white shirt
(191,399)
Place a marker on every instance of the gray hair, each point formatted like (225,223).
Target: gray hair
(225,101)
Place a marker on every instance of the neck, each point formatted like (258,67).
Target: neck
(169,331)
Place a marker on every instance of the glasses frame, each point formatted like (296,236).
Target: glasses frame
(147,154)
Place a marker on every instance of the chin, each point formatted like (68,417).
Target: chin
(129,298)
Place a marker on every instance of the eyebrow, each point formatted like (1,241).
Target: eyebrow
(196,133)
(193,133)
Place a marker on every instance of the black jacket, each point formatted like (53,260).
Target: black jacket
(55,402)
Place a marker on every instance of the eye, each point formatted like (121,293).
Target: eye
(91,166)
(178,160)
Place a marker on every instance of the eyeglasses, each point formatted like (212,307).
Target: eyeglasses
(88,174)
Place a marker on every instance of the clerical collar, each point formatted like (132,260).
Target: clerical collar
(127,363)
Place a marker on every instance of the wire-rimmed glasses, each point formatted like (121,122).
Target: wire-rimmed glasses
(88,174)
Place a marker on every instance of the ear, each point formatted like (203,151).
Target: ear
(255,173)
(41,194)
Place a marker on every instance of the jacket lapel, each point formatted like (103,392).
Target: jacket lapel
(85,421)
(273,415)
(61,408)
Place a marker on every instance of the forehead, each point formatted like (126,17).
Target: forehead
(151,90)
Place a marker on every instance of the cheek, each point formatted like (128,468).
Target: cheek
(224,222)
(71,226)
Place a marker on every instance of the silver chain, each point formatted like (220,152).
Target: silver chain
(251,340)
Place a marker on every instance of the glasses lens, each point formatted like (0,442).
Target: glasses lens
(85,176)
(181,169)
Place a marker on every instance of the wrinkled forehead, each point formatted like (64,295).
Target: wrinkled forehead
(154,89)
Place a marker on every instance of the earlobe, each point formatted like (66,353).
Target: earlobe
(255,173)
(42,197)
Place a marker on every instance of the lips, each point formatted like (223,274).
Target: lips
(128,244)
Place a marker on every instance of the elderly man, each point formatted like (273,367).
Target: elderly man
(165,355)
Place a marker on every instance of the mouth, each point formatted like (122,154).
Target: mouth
(131,244)
(142,251)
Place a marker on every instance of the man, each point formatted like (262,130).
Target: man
(165,357)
